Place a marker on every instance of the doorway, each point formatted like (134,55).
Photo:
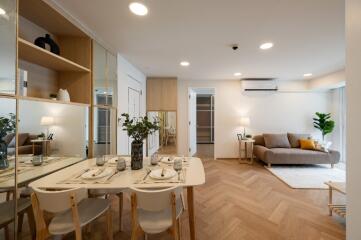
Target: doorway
(201,114)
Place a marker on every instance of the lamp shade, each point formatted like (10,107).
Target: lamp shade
(46,121)
(245,121)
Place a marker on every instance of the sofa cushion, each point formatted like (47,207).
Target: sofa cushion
(294,139)
(7,139)
(258,140)
(276,141)
(22,137)
(299,156)
(307,144)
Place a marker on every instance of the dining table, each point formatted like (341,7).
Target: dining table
(27,172)
(192,175)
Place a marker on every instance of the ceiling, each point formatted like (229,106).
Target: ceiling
(308,36)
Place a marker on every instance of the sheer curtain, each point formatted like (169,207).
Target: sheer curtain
(342,123)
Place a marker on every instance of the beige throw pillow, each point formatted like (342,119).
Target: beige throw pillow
(276,140)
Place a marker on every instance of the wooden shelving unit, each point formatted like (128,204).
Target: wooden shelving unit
(34,54)
(48,72)
(53,101)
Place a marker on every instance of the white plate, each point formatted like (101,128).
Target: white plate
(157,174)
(115,160)
(170,159)
(94,173)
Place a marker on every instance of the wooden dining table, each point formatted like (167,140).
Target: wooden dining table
(194,176)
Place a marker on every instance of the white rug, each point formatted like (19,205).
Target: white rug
(308,176)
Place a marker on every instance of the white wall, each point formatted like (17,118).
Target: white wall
(269,112)
(128,77)
(353,73)
(69,128)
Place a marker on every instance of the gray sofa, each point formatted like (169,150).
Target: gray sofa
(285,149)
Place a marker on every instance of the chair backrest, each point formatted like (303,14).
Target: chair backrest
(59,201)
(155,200)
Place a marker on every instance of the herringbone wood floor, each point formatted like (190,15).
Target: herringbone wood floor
(247,202)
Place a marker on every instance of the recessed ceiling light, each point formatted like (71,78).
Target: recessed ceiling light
(2,11)
(266,45)
(138,8)
(237,74)
(184,63)
(307,74)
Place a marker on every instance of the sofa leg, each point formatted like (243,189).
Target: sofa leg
(269,165)
(332,165)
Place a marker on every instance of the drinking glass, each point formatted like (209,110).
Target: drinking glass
(177,165)
(154,159)
(37,160)
(121,164)
(100,161)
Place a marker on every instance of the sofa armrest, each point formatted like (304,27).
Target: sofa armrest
(334,156)
(260,152)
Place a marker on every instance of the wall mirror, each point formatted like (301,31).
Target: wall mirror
(7,166)
(163,141)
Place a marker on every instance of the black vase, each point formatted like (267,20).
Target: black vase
(4,163)
(41,41)
(137,155)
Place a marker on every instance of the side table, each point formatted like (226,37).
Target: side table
(244,145)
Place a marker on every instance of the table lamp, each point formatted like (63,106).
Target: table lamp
(47,121)
(244,123)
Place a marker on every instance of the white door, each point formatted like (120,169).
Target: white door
(133,109)
(192,122)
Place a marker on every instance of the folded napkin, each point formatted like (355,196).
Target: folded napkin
(175,179)
(77,179)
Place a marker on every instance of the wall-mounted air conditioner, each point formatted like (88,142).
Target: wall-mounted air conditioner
(259,84)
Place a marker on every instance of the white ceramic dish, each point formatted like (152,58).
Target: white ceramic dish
(97,173)
(157,174)
(171,160)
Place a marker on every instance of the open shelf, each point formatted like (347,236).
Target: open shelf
(34,54)
(52,101)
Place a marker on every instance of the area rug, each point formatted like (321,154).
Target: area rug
(308,176)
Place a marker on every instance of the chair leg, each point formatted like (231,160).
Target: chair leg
(120,196)
(20,222)
(179,228)
(269,165)
(6,232)
(109,224)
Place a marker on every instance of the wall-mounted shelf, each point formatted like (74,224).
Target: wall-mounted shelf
(52,101)
(34,54)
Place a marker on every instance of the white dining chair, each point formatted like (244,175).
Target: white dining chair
(72,210)
(156,210)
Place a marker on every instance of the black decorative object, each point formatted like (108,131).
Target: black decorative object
(137,155)
(138,129)
(42,41)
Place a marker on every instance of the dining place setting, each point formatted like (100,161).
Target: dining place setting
(160,169)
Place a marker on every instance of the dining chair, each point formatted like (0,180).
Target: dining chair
(106,193)
(71,210)
(7,215)
(156,210)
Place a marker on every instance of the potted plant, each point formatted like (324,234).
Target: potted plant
(138,129)
(7,125)
(324,123)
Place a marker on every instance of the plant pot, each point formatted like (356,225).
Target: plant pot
(137,155)
(4,163)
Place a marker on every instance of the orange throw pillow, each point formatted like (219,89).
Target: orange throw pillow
(307,144)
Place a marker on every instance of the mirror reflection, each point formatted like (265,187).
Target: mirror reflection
(7,165)
(163,141)
(7,46)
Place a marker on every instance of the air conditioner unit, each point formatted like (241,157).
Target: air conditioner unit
(259,84)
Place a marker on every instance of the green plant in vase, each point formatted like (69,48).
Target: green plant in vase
(7,126)
(138,129)
(324,123)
